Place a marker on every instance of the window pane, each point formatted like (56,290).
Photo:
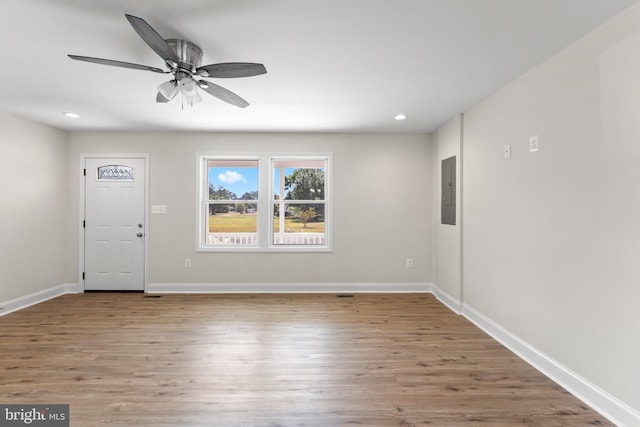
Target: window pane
(299,183)
(299,224)
(232,179)
(232,223)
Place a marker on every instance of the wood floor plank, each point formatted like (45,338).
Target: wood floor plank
(271,360)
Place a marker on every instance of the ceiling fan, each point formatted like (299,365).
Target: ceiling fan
(182,59)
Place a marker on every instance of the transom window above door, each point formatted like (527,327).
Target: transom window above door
(264,203)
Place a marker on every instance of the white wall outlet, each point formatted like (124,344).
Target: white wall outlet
(507,151)
(533,144)
(159,209)
(409,262)
(187,262)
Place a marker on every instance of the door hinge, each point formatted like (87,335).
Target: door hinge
(83,275)
(84,224)
(84,172)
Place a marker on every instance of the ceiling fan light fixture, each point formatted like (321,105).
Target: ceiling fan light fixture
(194,99)
(188,87)
(168,89)
(203,84)
(400,117)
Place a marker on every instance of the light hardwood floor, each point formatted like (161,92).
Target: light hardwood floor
(271,360)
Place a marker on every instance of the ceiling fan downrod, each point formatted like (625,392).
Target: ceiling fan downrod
(189,56)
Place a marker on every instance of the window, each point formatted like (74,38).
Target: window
(264,203)
(232,215)
(115,173)
(299,201)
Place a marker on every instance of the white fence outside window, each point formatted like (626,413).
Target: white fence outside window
(251,239)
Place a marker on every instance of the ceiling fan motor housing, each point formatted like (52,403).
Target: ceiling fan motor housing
(189,55)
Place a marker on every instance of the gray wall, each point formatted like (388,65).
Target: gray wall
(552,239)
(382,207)
(447,254)
(34,198)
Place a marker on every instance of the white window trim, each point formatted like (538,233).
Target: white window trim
(265,194)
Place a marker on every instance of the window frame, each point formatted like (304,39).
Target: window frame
(266,191)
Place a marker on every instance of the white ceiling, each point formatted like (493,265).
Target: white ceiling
(333,65)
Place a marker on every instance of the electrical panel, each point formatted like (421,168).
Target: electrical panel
(448,199)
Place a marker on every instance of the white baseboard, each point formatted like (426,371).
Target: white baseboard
(286,288)
(453,304)
(19,303)
(616,411)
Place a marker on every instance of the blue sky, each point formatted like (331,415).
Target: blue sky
(238,180)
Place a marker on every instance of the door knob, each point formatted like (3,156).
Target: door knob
(139,234)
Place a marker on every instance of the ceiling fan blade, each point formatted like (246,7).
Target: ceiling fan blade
(222,94)
(152,38)
(231,69)
(117,63)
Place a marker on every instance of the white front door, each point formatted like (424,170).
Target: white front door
(114,224)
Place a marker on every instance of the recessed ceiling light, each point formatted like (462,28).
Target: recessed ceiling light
(400,117)
(71,115)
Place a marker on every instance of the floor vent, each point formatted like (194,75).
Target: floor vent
(345,295)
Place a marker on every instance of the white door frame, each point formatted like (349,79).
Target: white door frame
(81,217)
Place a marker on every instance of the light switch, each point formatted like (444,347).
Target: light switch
(159,209)
(507,151)
(533,144)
